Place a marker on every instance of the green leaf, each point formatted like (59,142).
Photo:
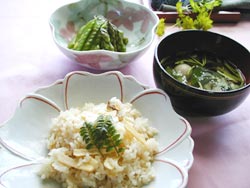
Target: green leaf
(120,150)
(101,134)
(202,9)
(195,6)
(109,148)
(89,146)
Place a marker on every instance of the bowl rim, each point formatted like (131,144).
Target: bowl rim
(146,45)
(192,88)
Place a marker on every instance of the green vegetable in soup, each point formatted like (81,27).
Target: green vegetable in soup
(99,33)
(204,71)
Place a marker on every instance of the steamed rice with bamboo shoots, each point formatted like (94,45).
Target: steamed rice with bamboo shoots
(77,160)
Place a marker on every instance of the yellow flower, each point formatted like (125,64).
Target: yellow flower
(160,30)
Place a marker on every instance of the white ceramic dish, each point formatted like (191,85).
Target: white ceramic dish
(136,21)
(24,135)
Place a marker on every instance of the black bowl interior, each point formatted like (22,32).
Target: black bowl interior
(189,100)
(220,45)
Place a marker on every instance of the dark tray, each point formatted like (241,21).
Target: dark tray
(217,17)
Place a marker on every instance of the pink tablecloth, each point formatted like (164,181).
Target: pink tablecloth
(30,59)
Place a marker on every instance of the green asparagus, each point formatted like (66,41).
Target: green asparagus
(99,33)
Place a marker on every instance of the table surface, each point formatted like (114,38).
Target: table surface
(30,59)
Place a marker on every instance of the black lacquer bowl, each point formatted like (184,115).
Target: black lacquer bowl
(191,101)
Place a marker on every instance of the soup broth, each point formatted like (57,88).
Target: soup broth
(204,71)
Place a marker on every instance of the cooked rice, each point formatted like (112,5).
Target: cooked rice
(70,164)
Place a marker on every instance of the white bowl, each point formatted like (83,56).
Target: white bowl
(25,133)
(136,21)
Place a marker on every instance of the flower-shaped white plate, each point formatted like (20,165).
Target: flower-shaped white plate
(23,137)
